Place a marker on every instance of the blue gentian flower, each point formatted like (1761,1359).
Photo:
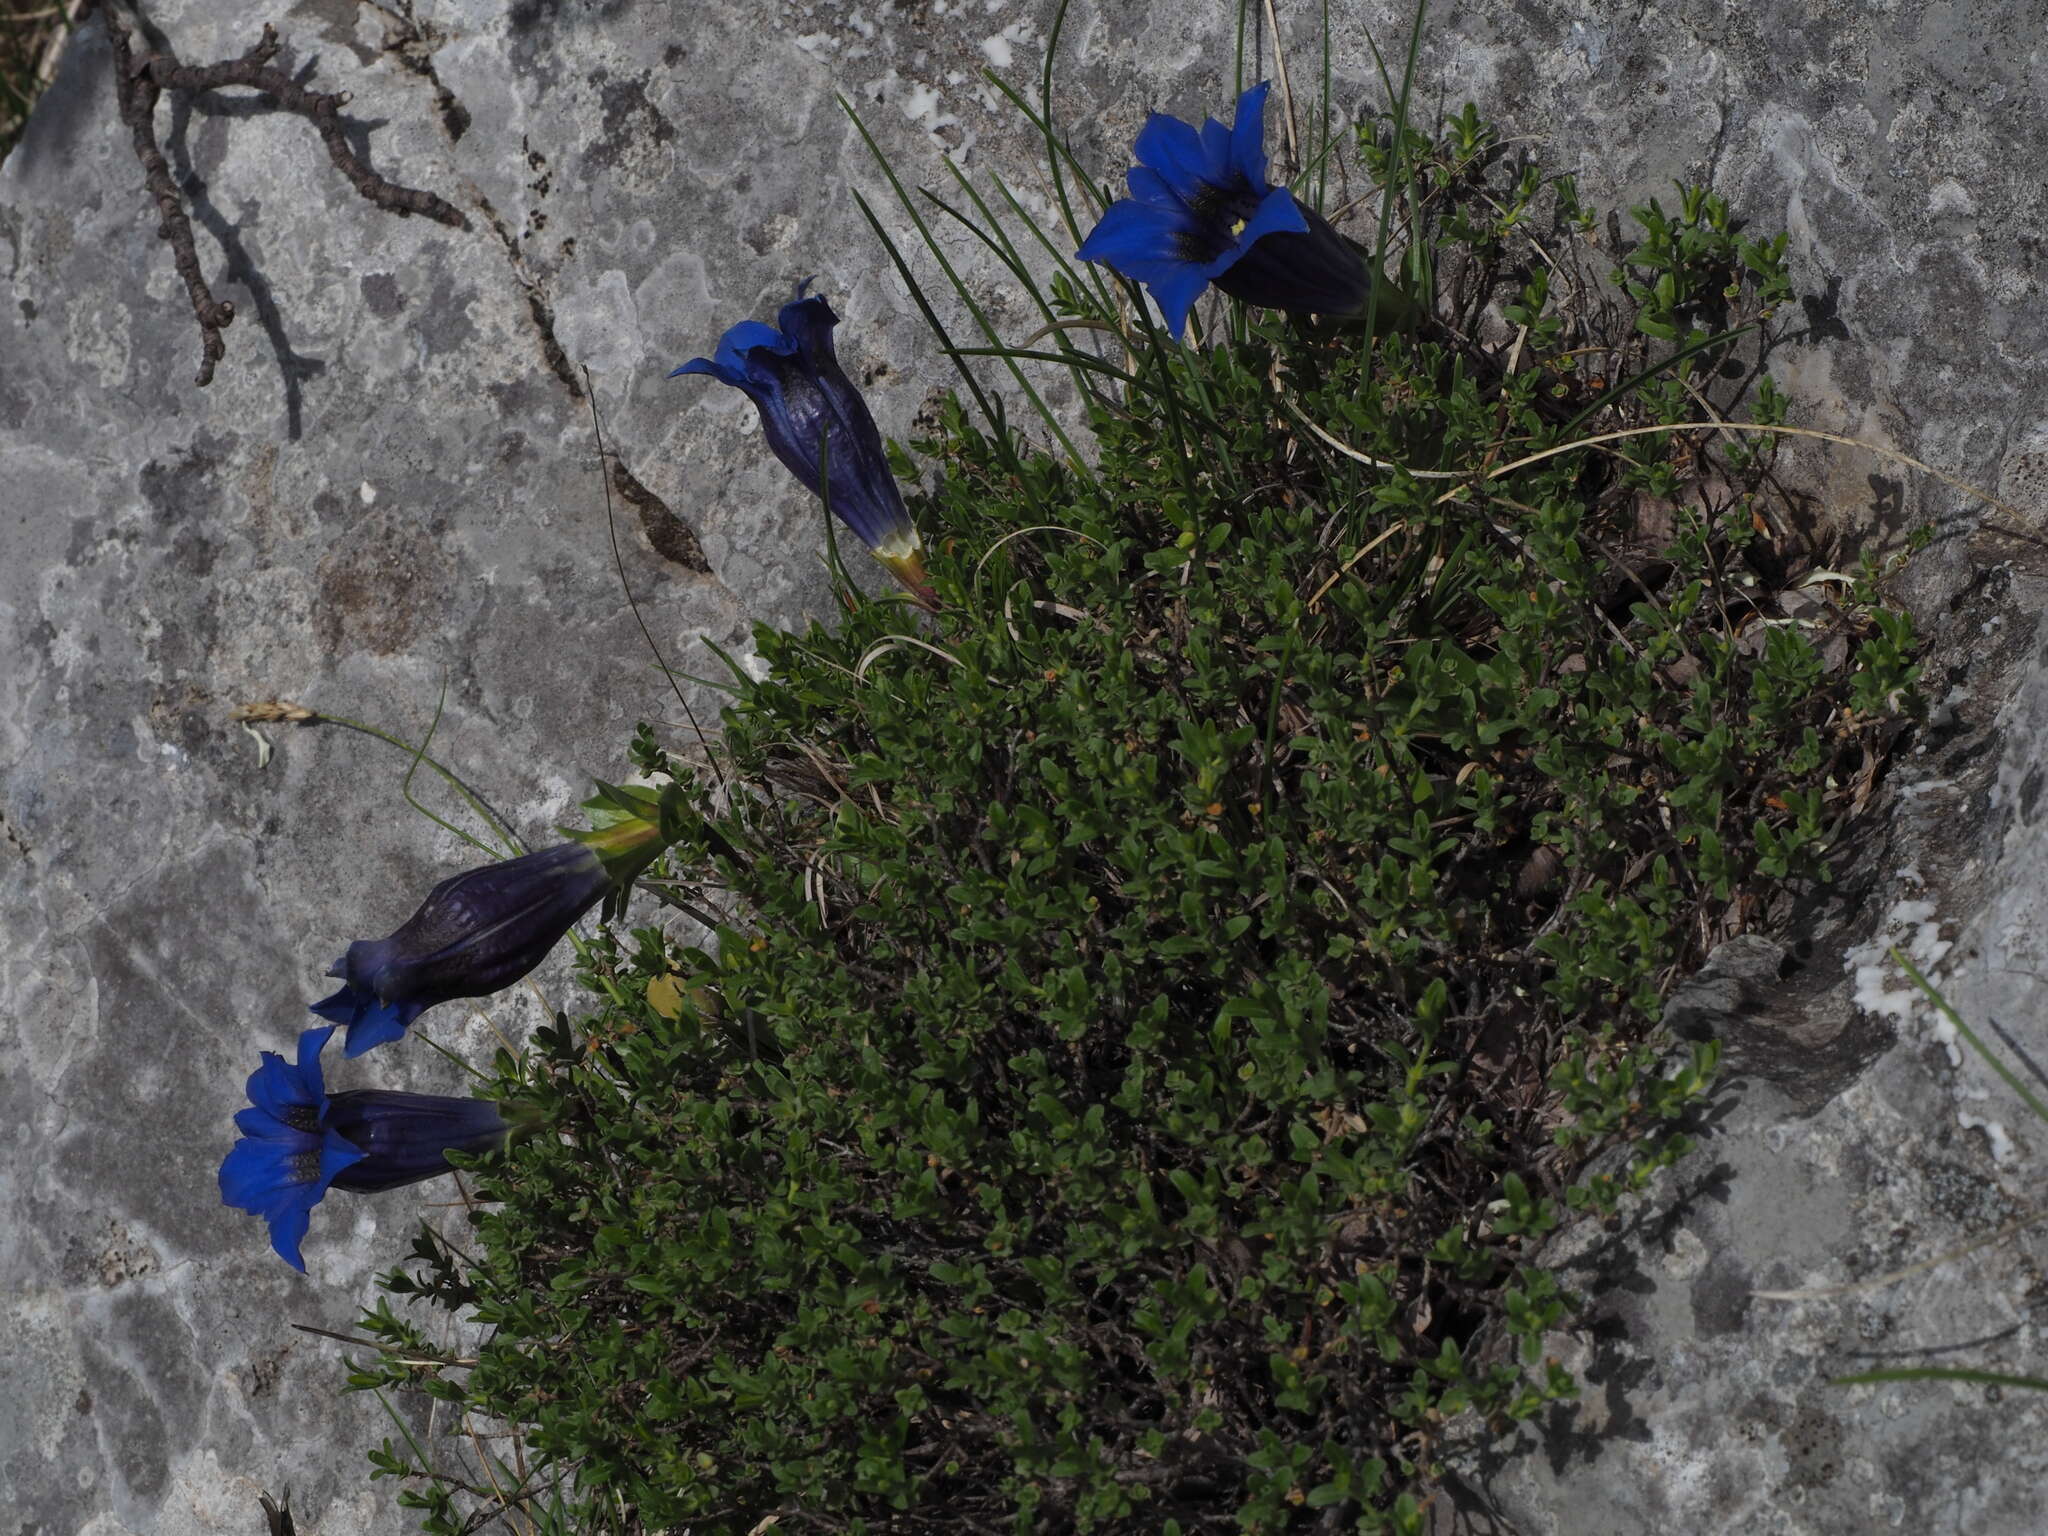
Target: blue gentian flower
(298,1141)
(1201,212)
(811,413)
(475,934)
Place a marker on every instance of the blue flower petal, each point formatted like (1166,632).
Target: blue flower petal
(1175,293)
(1173,149)
(288,1232)
(716,369)
(729,363)
(370,1023)
(336,1153)
(364,1139)
(749,336)
(276,1088)
(1248,136)
(290,1211)
(385,1022)
(259,1173)
(1314,270)
(1200,204)
(312,1041)
(807,329)
(819,427)
(1131,232)
(344,1007)
(1153,273)
(1150,188)
(260,1122)
(275,1177)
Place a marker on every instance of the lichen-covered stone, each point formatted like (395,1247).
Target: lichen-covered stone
(392,487)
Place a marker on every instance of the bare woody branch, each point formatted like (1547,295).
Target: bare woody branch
(141,79)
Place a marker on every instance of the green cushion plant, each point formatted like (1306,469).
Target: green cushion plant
(1120,1040)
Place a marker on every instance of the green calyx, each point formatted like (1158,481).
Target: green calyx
(631,826)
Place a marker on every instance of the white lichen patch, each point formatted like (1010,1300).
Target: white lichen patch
(1911,927)
(1927,786)
(1994,1132)
(756,666)
(1686,1256)
(1948,196)
(598,324)
(1883,988)
(1944,713)
(207,1497)
(1001,50)
(96,334)
(921,104)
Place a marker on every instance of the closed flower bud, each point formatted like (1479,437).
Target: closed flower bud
(475,934)
(818,425)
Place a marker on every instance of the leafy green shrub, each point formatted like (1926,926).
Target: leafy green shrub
(1157,1004)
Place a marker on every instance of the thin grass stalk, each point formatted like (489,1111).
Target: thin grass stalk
(1400,172)
(1324,139)
(1991,1057)
(998,241)
(989,410)
(1622,390)
(1055,146)
(1058,151)
(960,287)
(1077,278)
(1237,76)
(1940,1373)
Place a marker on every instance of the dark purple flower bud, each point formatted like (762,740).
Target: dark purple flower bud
(812,415)
(298,1140)
(406,1137)
(475,934)
(1312,271)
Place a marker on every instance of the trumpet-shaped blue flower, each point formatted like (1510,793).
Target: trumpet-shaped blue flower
(819,426)
(1201,212)
(475,934)
(298,1141)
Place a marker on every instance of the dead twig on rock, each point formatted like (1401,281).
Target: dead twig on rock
(136,91)
(140,79)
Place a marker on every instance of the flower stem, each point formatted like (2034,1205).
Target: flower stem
(470,797)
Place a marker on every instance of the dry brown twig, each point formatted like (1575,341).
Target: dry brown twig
(141,79)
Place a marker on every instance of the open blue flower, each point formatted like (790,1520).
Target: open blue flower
(812,416)
(475,934)
(1201,212)
(298,1141)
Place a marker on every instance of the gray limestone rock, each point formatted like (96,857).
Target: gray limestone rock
(391,488)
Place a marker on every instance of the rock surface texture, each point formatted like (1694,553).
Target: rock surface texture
(391,489)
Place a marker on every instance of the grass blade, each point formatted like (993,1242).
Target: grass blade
(1940,1373)
(1998,1065)
(960,287)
